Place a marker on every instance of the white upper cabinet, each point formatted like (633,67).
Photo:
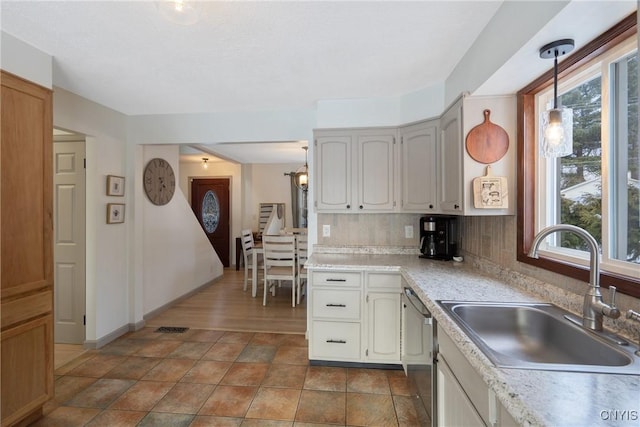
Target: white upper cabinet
(333,171)
(355,170)
(428,171)
(375,171)
(450,182)
(419,167)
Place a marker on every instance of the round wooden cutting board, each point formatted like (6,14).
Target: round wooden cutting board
(487,142)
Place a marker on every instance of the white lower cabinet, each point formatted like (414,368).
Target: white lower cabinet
(336,341)
(454,407)
(343,304)
(354,316)
(383,324)
(464,399)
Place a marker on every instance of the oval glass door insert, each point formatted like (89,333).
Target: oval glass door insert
(210,211)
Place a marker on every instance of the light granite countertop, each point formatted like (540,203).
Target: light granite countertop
(532,397)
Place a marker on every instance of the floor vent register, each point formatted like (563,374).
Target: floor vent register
(172,329)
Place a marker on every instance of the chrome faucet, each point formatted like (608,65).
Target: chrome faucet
(594,308)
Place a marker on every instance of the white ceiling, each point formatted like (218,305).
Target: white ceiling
(240,55)
(267,55)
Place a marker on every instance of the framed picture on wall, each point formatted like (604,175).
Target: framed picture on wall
(115,213)
(115,185)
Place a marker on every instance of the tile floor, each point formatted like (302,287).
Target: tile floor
(216,378)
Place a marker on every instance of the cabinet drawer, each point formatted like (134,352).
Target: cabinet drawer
(336,278)
(336,304)
(387,281)
(335,341)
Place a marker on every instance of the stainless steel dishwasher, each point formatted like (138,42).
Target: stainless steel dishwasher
(417,355)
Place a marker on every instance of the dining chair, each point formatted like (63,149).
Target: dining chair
(248,253)
(296,231)
(302,253)
(279,264)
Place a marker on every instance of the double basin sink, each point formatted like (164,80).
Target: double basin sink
(539,336)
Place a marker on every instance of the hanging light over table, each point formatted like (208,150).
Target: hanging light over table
(557,123)
(302,174)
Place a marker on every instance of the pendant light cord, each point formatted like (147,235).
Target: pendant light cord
(555,80)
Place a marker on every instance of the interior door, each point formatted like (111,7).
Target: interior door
(69,241)
(210,203)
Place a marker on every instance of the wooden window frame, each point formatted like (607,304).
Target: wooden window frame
(527,148)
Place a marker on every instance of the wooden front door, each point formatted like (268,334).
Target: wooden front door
(210,203)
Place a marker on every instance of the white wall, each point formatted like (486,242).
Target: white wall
(512,26)
(390,111)
(211,128)
(25,61)
(107,283)
(177,256)
(503,113)
(270,185)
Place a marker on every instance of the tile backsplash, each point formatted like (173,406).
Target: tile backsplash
(485,240)
(369,229)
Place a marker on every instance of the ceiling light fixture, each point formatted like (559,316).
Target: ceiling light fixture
(557,123)
(181,12)
(302,174)
(205,165)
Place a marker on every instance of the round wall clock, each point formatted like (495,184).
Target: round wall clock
(159,181)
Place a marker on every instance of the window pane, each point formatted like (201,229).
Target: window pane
(625,163)
(580,174)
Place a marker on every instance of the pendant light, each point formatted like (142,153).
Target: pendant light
(205,165)
(302,174)
(557,123)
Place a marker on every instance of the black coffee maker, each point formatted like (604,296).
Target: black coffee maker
(438,237)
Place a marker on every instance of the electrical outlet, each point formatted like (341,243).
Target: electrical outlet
(408,231)
(326,230)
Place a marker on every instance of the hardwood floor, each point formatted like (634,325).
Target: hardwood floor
(64,353)
(225,306)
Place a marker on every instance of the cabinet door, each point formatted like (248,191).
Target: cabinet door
(375,180)
(333,172)
(416,349)
(419,167)
(454,407)
(26,288)
(383,323)
(450,187)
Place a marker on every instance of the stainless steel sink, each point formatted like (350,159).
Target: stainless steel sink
(538,336)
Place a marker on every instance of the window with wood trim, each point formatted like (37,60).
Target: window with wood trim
(598,186)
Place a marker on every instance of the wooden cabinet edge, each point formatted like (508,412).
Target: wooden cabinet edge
(29,307)
(33,409)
